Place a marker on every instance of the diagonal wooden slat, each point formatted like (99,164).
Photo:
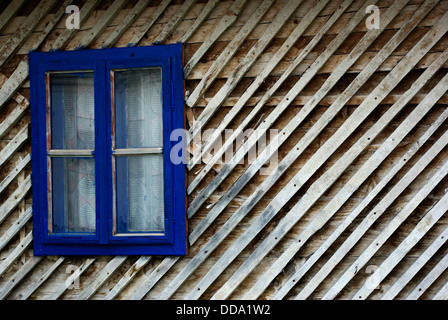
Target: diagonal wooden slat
(101,24)
(405,246)
(142,31)
(278,56)
(429,279)
(16,253)
(174,22)
(424,161)
(386,232)
(7,180)
(15,228)
(102,277)
(15,198)
(14,42)
(405,65)
(13,145)
(226,21)
(19,276)
(328,178)
(227,54)
(126,23)
(9,12)
(209,6)
(13,83)
(42,279)
(442,294)
(404,279)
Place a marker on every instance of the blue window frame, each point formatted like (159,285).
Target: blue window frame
(103,181)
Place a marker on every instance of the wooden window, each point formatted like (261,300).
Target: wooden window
(103,180)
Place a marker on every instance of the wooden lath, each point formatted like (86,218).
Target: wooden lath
(220,232)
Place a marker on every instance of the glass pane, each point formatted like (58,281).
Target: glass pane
(139,194)
(73,195)
(138,108)
(72,111)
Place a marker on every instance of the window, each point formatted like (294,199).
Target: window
(103,180)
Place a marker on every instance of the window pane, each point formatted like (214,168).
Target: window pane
(139,194)
(138,108)
(72,111)
(73,195)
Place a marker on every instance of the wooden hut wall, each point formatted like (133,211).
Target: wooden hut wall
(348,202)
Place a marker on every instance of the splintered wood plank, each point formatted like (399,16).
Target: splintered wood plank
(101,24)
(19,276)
(425,160)
(15,41)
(142,31)
(406,277)
(13,83)
(42,279)
(174,22)
(321,185)
(202,16)
(385,233)
(16,253)
(417,233)
(429,279)
(226,21)
(62,288)
(9,12)
(126,23)
(228,52)
(405,65)
(68,34)
(102,277)
(15,228)
(14,199)
(128,276)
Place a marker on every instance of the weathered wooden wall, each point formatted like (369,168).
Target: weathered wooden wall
(358,194)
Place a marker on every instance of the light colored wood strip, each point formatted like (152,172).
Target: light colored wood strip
(7,180)
(127,277)
(273,116)
(278,56)
(226,21)
(68,34)
(245,64)
(142,31)
(9,12)
(323,153)
(16,253)
(126,23)
(174,22)
(15,228)
(13,145)
(42,279)
(12,117)
(19,276)
(15,41)
(228,53)
(406,277)
(101,24)
(15,198)
(209,6)
(359,208)
(417,233)
(385,233)
(429,279)
(62,288)
(152,279)
(56,17)
(14,82)
(442,294)
(102,277)
(317,190)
